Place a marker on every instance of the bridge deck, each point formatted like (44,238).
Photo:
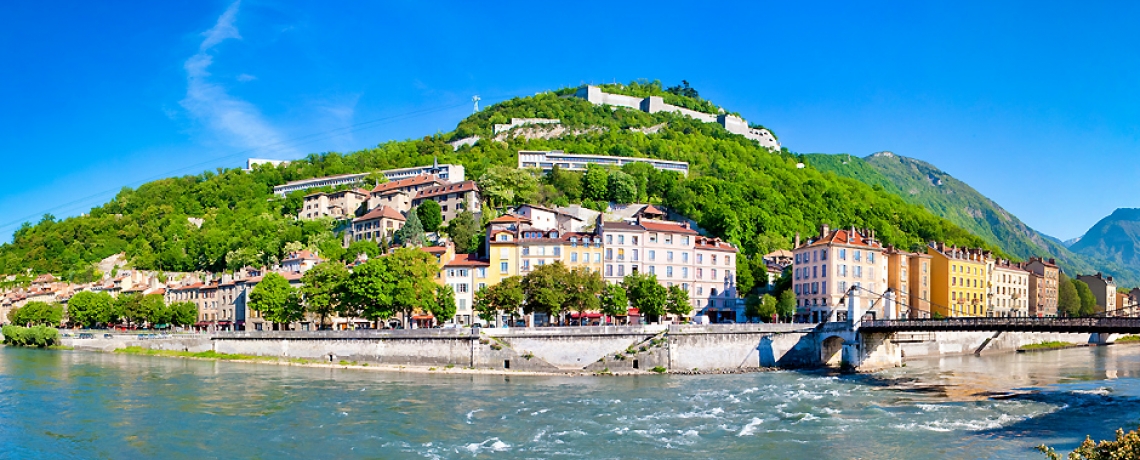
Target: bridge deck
(1074,325)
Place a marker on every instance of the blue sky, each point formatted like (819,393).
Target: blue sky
(1034,104)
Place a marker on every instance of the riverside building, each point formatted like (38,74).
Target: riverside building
(825,268)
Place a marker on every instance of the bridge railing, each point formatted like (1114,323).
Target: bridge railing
(992,323)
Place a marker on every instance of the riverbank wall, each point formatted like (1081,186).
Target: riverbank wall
(703,348)
(956,343)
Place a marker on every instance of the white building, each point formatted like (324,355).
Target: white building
(546,160)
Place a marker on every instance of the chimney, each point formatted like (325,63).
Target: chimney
(823,230)
(797,242)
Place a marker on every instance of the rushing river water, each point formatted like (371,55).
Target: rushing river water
(72,404)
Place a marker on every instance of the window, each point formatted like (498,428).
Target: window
(685,240)
(652,255)
(621,239)
(481,272)
(609,239)
(621,270)
(669,256)
(685,287)
(635,255)
(684,257)
(701,258)
(573,256)
(797,258)
(713,274)
(633,240)
(609,270)
(669,271)
(815,272)
(652,271)
(503,267)
(597,257)
(609,254)
(842,254)
(685,273)
(870,257)
(822,254)
(668,239)
(652,237)
(462,287)
(573,242)
(700,273)
(858,271)
(855,255)
(504,253)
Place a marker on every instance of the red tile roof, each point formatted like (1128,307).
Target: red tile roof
(846,237)
(465,186)
(382,212)
(714,244)
(509,219)
(405,183)
(662,226)
(466,260)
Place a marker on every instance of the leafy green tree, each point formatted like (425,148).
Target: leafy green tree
(1126,445)
(366,247)
(507,185)
(88,308)
(567,182)
(614,301)
(745,282)
(464,232)
(507,297)
(37,314)
(243,257)
(1088,299)
(411,281)
(677,301)
(546,290)
(183,313)
(583,288)
(131,309)
(276,300)
(595,183)
(786,307)
(366,293)
(321,289)
(621,187)
(443,308)
(155,310)
(761,307)
(412,233)
(1068,300)
(646,295)
(430,214)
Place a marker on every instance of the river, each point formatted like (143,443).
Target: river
(74,404)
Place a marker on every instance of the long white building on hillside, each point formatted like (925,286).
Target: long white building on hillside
(447,172)
(577,162)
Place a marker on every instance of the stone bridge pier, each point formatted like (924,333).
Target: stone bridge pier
(842,345)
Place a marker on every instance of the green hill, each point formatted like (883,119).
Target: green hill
(1115,239)
(924,184)
(736,189)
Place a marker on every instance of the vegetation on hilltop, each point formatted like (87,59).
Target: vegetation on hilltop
(923,184)
(736,190)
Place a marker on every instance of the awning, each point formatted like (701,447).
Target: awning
(421,317)
(576,315)
(201,324)
(633,312)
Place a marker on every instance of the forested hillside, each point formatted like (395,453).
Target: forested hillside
(736,190)
(923,184)
(1114,239)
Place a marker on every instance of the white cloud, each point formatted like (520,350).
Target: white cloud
(246,77)
(232,119)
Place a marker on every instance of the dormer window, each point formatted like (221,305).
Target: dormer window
(554,234)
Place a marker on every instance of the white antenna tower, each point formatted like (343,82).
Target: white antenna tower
(475,99)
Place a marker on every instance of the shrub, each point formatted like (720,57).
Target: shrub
(658,369)
(1126,445)
(35,336)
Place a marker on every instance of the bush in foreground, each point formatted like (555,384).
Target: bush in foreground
(1126,445)
(35,336)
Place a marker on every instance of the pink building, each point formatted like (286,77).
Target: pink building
(825,268)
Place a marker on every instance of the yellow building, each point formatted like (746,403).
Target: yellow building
(958,281)
(503,248)
(582,250)
(919,271)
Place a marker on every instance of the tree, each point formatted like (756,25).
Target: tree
(464,232)
(583,286)
(595,183)
(645,294)
(276,300)
(88,308)
(677,301)
(430,214)
(443,309)
(745,282)
(1126,445)
(366,293)
(786,307)
(567,182)
(621,187)
(1088,299)
(411,280)
(321,288)
(412,233)
(243,257)
(762,307)
(507,296)
(1068,300)
(37,314)
(154,309)
(614,301)
(131,309)
(546,290)
(366,247)
(183,313)
(506,185)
